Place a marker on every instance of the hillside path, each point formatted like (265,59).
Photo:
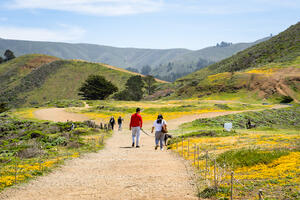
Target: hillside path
(118,172)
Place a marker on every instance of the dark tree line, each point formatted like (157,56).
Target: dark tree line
(8,55)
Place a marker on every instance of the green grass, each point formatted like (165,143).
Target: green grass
(241,95)
(248,157)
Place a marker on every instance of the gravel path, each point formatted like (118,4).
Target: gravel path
(118,172)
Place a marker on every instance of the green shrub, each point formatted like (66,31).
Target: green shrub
(248,157)
(208,192)
(286,99)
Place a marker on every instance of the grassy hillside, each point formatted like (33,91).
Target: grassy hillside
(52,80)
(183,61)
(13,71)
(190,62)
(268,69)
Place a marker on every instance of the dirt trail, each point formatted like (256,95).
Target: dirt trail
(118,172)
(58,115)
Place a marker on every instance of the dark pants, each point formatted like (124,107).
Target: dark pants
(112,126)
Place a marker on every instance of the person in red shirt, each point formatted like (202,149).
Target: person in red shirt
(136,123)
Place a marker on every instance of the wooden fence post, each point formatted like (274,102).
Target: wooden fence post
(16,169)
(177,145)
(215,174)
(188,149)
(182,148)
(206,165)
(194,154)
(198,150)
(231,187)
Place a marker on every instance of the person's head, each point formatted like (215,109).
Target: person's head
(120,117)
(138,110)
(112,117)
(159,119)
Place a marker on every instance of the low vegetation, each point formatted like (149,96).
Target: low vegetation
(264,157)
(31,148)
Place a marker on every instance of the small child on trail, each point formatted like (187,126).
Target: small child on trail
(112,122)
(120,121)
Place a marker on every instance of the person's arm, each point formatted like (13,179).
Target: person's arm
(141,122)
(152,129)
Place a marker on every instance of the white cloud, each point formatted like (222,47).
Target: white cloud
(66,33)
(93,7)
(222,7)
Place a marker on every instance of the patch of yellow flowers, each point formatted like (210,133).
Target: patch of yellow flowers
(14,173)
(262,71)
(219,76)
(283,171)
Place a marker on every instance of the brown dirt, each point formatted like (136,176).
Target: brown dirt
(276,83)
(58,115)
(39,61)
(116,172)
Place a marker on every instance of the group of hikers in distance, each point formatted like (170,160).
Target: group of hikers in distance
(136,124)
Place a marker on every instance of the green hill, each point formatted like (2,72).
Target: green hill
(268,69)
(33,79)
(167,64)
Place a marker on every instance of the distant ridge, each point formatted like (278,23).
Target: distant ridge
(166,64)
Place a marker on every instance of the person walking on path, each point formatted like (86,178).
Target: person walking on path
(120,121)
(159,125)
(112,122)
(136,123)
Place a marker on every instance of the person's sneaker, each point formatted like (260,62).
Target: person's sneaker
(137,146)
(156,147)
(132,144)
(161,149)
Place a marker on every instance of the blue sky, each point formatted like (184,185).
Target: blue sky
(192,24)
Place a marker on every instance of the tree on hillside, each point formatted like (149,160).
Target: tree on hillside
(150,84)
(133,90)
(146,70)
(3,107)
(1,60)
(96,88)
(9,55)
